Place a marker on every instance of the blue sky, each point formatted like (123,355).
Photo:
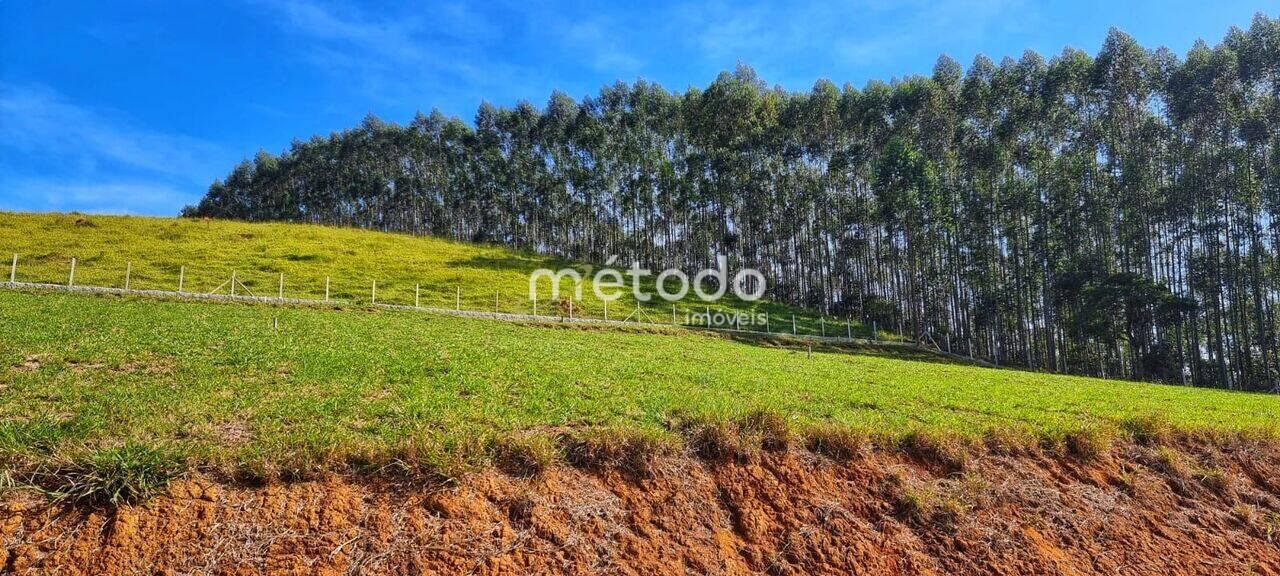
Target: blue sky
(135,107)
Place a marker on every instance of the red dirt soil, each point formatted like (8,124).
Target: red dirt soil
(1199,509)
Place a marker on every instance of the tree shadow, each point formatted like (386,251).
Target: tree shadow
(511,263)
(887,350)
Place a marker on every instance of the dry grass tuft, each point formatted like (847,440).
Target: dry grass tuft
(1148,429)
(443,457)
(1171,462)
(1218,480)
(117,475)
(837,442)
(742,439)
(717,440)
(923,504)
(772,429)
(947,450)
(632,451)
(525,455)
(1088,443)
(944,502)
(1011,441)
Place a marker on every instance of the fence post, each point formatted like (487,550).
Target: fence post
(766,322)
(281,293)
(606,310)
(571,307)
(13,270)
(373,293)
(326,288)
(182,277)
(673,315)
(128,271)
(71,280)
(457,299)
(535,305)
(233,282)
(416,295)
(495,301)
(848,329)
(793,324)
(823,322)
(874,331)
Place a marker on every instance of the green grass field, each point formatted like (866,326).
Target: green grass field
(91,382)
(156,250)
(219,383)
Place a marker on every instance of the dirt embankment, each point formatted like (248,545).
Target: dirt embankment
(1135,510)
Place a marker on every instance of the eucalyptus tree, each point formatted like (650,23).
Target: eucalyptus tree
(1116,215)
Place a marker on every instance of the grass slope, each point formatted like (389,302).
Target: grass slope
(158,248)
(108,396)
(218,385)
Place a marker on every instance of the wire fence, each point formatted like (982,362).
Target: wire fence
(234,288)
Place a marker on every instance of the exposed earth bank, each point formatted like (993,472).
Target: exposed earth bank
(1193,509)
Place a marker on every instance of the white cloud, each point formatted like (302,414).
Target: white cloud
(57,155)
(603,47)
(793,41)
(36,120)
(93,197)
(402,56)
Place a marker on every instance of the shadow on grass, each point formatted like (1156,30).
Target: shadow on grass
(895,352)
(524,263)
(806,321)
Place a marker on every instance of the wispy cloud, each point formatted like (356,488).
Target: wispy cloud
(403,56)
(57,195)
(39,121)
(101,160)
(797,42)
(603,47)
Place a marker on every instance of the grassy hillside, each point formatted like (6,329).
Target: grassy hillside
(157,249)
(219,384)
(117,391)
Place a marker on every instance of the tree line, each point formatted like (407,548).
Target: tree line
(1114,215)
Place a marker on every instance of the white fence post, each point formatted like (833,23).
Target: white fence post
(326,288)
(793,324)
(571,308)
(495,301)
(416,295)
(128,271)
(848,329)
(182,277)
(766,322)
(281,293)
(673,314)
(13,270)
(233,282)
(457,298)
(606,310)
(71,280)
(823,322)
(373,294)
(535,305)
